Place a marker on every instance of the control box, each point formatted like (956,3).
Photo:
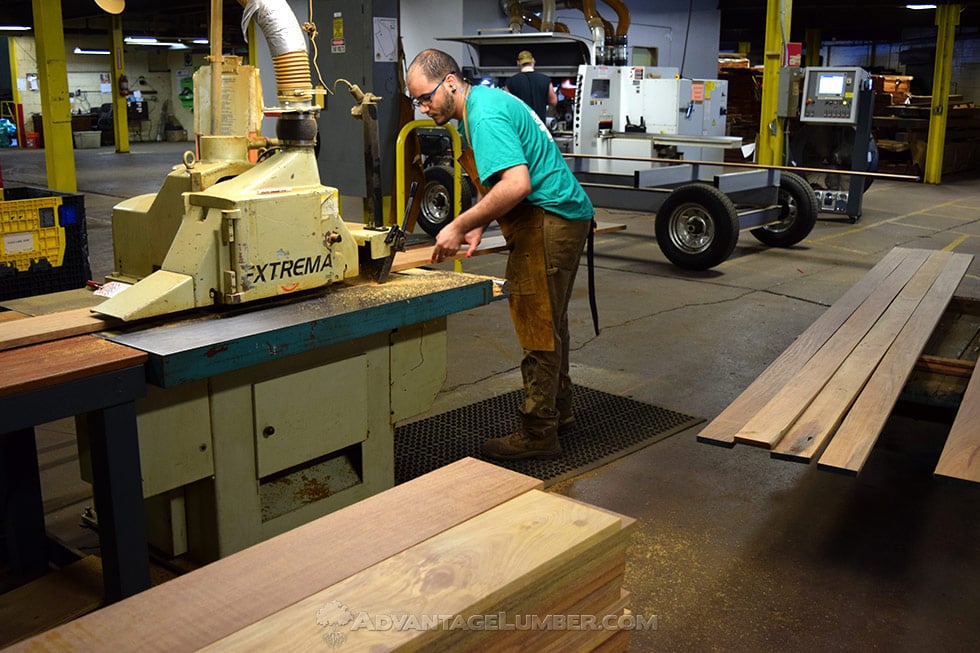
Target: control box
(830,95)
(788,97)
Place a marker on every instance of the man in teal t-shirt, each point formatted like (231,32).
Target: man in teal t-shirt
(545,217)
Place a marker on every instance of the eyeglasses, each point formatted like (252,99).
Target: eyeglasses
(426,98)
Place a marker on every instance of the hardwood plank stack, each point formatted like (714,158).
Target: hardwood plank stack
(834,388)
(469,557)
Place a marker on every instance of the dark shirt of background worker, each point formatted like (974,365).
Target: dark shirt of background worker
(532,87)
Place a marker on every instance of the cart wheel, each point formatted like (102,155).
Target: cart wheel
(436,209)
(798,213)
(696,227)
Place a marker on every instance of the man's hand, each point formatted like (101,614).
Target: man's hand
(513,186)
(450,238)
(448,241)
(473,238)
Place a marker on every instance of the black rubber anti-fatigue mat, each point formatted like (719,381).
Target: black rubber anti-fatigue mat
(606,427)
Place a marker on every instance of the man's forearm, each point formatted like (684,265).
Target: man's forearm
(503,197)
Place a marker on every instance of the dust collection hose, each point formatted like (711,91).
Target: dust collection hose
(287,44)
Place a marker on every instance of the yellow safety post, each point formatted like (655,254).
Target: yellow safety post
(120,114)
(15,95)
(49,39)
(947,18)
(769,145)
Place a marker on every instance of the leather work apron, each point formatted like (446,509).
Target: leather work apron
(530,304)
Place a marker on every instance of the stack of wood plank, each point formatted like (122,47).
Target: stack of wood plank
(469,557)
(830,393)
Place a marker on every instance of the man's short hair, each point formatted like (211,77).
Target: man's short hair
(435,64)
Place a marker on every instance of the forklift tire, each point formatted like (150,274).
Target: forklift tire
(697,227)
(798,213)
(436,209)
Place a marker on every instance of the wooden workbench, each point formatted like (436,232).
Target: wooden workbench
(53,380)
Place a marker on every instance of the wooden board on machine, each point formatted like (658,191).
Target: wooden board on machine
(470,541)
(830,393)
(492,242)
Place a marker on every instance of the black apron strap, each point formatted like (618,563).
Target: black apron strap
(590,260)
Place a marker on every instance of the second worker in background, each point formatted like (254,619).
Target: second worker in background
(533,87)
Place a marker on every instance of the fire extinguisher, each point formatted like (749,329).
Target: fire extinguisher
(123,86)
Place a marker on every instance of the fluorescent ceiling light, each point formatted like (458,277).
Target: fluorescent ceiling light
(81,51)
(14,28)
(920,7)
(149,40)
(200,41)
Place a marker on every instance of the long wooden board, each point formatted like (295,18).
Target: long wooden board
(773,420)
(419,256)
(721,430)
(192,611)
(61,361)
(817,424)
(854,439)
(463,571)
(960,458)
(42,328)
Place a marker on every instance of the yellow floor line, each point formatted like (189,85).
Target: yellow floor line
(881,222)
(953,245)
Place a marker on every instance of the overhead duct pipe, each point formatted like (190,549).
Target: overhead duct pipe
(616,44)
(515,15)
(577,4)
(536,23)
(548,16)
(597,29)
(287,44)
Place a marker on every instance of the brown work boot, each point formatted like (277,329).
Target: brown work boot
(519,445)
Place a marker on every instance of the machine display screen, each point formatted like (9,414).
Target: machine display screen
(831,84)
(600,89)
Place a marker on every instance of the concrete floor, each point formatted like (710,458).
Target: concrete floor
(734,551)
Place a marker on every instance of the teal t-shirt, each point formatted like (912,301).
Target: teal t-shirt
(506,132)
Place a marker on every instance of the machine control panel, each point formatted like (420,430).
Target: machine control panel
(830,95)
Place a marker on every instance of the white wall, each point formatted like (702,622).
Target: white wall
(422,21)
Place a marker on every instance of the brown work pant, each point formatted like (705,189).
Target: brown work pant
(544,256)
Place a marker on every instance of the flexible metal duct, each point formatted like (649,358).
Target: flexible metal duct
(622,15)
(515,14)
(597,29)
(548,16)
(287,43)
(616,44)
